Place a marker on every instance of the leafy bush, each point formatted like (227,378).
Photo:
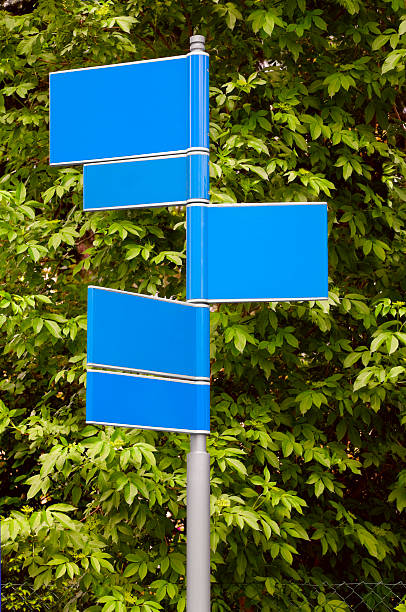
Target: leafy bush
(308,441)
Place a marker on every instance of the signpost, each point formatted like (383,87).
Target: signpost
(155,181)
(257,252)
(148,357)
(140,333)
(128,400)
(140,109)
(167,340)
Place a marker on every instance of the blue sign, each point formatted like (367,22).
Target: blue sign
(130,110)
(257,252)
(127,400)
(140,333)
(147,123)
(158,181)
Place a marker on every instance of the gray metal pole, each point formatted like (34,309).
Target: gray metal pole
(198,526)
(198,499)
(197,43)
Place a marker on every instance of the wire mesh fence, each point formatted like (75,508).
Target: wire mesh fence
(301,597)
(343,597)
(22,597)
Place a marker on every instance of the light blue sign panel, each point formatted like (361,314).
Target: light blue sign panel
(160,181)
(146,334)
(257,252)
(129,110)
(147,403)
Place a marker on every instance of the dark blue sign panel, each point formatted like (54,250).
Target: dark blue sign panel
(147,403)
(145,334)
(257,252)
(159,181)
(128,110)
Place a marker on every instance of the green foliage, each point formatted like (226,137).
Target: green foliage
(20,597)
(308,414)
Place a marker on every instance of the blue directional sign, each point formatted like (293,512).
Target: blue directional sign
(158,181)
(141,333)
(127,400)
(257,252)
(141,129)
(130,110)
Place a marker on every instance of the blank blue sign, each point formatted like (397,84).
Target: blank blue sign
(146,334)
(126,400)
(159,181)
(129,110)
(257,252)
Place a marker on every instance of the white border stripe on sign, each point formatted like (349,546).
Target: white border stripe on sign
(143,295)
(194,431)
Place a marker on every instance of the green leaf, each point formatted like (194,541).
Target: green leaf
(37,325)
(392,344)
(380,41)
(36,486)
(338,604)
(177,564)
(53,327)
(260,171)
(376,342)
(341,429)
(286,554)
(379,251)
(396,371)
(125,22)
(320,23)
(239,340)
(237,465)
(64,520)
(287,447)
(319,488)
(292,340)
(21,193)
(347,170)
(351,359)
(61,570)
(130,491)
(61,508)
(251,520)
(391,61)
(362,379)
(306,403)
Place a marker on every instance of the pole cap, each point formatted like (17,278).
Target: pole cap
(197,43)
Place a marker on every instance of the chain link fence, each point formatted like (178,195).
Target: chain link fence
(342,597)
(22,597)
(305,597)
